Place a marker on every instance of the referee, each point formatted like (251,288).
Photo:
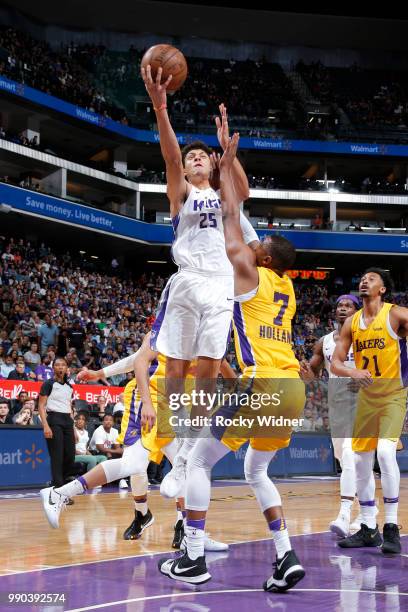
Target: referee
(55,412)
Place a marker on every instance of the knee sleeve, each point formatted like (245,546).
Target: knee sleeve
(348,474)
(134,460)
(139,484)
(390,473)
(365,483)
(200,462)
(170,450)
(338,448)
(256,474)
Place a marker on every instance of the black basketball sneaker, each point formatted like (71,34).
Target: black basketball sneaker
(363,537)
(391,536)
(185,569)
(288,572)
(138,525)
(178,534)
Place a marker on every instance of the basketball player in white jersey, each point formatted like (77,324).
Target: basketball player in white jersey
(341,410)
(195,312)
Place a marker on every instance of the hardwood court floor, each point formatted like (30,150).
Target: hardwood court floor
(91,529)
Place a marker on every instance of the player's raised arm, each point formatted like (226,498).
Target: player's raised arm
(176,183)
(238,175)
(142,362)
(241,256)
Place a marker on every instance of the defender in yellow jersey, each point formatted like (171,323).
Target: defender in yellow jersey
(262,323)
(378,333)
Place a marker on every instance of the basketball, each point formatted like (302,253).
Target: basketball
(171,60)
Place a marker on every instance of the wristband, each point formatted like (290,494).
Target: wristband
(161,107)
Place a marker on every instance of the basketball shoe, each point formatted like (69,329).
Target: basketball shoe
(138,525)
(185,569)
(288,572)
(53,504)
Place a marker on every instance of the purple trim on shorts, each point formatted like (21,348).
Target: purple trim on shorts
(278,524)
(390,500)
(246,351)
(196,524)
(404,361)
(83,482)
(159,319)
(368,503)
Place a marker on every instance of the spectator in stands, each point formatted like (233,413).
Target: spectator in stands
(102,407)
(7,367)
(119,406)
(44,371)
(17,404)
(76,338)
(32,357)
(19,372)
(32,405)
(5,417)
(103,440)
(82,453)
(23,417)
(47,334)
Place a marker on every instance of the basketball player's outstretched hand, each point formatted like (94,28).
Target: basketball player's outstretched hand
(148,416)
(222,127)
(230,151)
(155,88)
(86,374)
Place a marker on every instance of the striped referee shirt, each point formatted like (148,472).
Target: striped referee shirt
(59,395)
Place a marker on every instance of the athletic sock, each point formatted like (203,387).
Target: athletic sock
(345,507)
(76,487)
(391,510)
(195,531)
(280,536)
(141,505)
(368,513)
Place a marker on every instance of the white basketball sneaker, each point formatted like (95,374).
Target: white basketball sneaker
(341,525)
(53,503)
(210,545)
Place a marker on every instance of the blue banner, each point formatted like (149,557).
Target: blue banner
(312,146)
(306,454)
(56,209)
(24,458)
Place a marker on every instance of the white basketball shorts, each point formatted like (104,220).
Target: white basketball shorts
(194,316)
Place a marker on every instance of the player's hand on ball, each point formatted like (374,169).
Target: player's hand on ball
(156,90)
(230,152)
(222,127)
(362,377)
(148,416)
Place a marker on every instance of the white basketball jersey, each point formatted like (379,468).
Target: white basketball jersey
(328,349)
(199,242)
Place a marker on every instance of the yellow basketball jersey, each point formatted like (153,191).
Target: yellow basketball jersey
(263,326)
(130,427)
(377,348)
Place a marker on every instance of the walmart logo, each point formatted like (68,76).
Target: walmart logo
(33,456)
